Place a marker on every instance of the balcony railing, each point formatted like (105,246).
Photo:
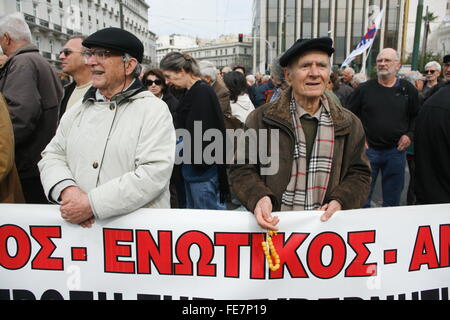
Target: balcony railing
(29,18)
(47,55)
(43,23)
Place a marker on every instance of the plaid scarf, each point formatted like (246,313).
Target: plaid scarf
(307,188)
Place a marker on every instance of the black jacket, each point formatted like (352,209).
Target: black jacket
(68,90)
(432,149)
(200,104)
(172,103)
(387,113)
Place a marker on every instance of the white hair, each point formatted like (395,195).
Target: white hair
(434,64)
(251,79)
(15,25)
(351,71)
(359,78)
(208,69)
(413,76)
(137,71)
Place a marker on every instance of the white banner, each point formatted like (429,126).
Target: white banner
(390,253)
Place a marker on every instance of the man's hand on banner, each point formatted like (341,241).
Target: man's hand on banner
(263,214)
(75,207)
(330,208)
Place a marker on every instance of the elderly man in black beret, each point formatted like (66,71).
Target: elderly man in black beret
(114,151)
(322,163)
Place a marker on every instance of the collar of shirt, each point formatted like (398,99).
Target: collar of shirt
(99,97)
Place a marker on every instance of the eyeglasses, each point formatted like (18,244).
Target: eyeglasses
(430,71)
(149,83)
(68,52)
(100,54)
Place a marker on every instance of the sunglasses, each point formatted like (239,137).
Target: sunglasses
(68,52)
(430,71)
(149,83)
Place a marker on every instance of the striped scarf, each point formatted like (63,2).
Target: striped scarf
(307,188)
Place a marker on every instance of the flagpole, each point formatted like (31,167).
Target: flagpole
(365,59)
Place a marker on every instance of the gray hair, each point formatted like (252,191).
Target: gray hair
(251,78)
(277,70)
(434,64)
(208,69)
(413,76)
(352,71)
(177,61)
(359,78)
(14,24)
(137,71)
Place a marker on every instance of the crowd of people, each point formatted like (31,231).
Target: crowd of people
(106,143)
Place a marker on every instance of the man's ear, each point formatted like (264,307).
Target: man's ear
(287,74)
(132,63)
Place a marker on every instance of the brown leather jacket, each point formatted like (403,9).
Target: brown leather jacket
(10,188)
(350,174)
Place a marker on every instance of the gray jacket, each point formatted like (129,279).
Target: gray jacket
(32,91)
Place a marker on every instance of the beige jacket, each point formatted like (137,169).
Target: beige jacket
(121,153)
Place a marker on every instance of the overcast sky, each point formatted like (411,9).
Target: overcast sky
(202,18)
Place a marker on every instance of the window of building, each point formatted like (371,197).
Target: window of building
(307,18)
(324,18)
(272,22)
(340,31)
(290,25)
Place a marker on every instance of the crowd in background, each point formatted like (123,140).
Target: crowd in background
(223,99)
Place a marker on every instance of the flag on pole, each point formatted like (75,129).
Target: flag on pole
(366,41)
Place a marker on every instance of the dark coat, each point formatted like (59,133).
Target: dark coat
(172,103)
(201,104)
(10,188)
(432,149)
(33,93)
(68,90)
(350,174)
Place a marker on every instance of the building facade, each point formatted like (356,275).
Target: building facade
(228,54)
(277,24)
(53,22)
(173,42)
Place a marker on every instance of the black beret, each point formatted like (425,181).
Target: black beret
(116,39)
(301,46)
(447,58)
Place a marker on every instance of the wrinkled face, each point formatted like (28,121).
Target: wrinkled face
(154,84)
(178,79)
(387,63)
(71,56)
(447,71)
(108,69)
(310,74)
(347,75)
(431,73)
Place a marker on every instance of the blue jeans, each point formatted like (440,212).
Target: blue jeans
(202,191)
(392,163)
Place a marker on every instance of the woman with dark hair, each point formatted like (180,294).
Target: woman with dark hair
(206,182)
(240,102)
(155,82)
